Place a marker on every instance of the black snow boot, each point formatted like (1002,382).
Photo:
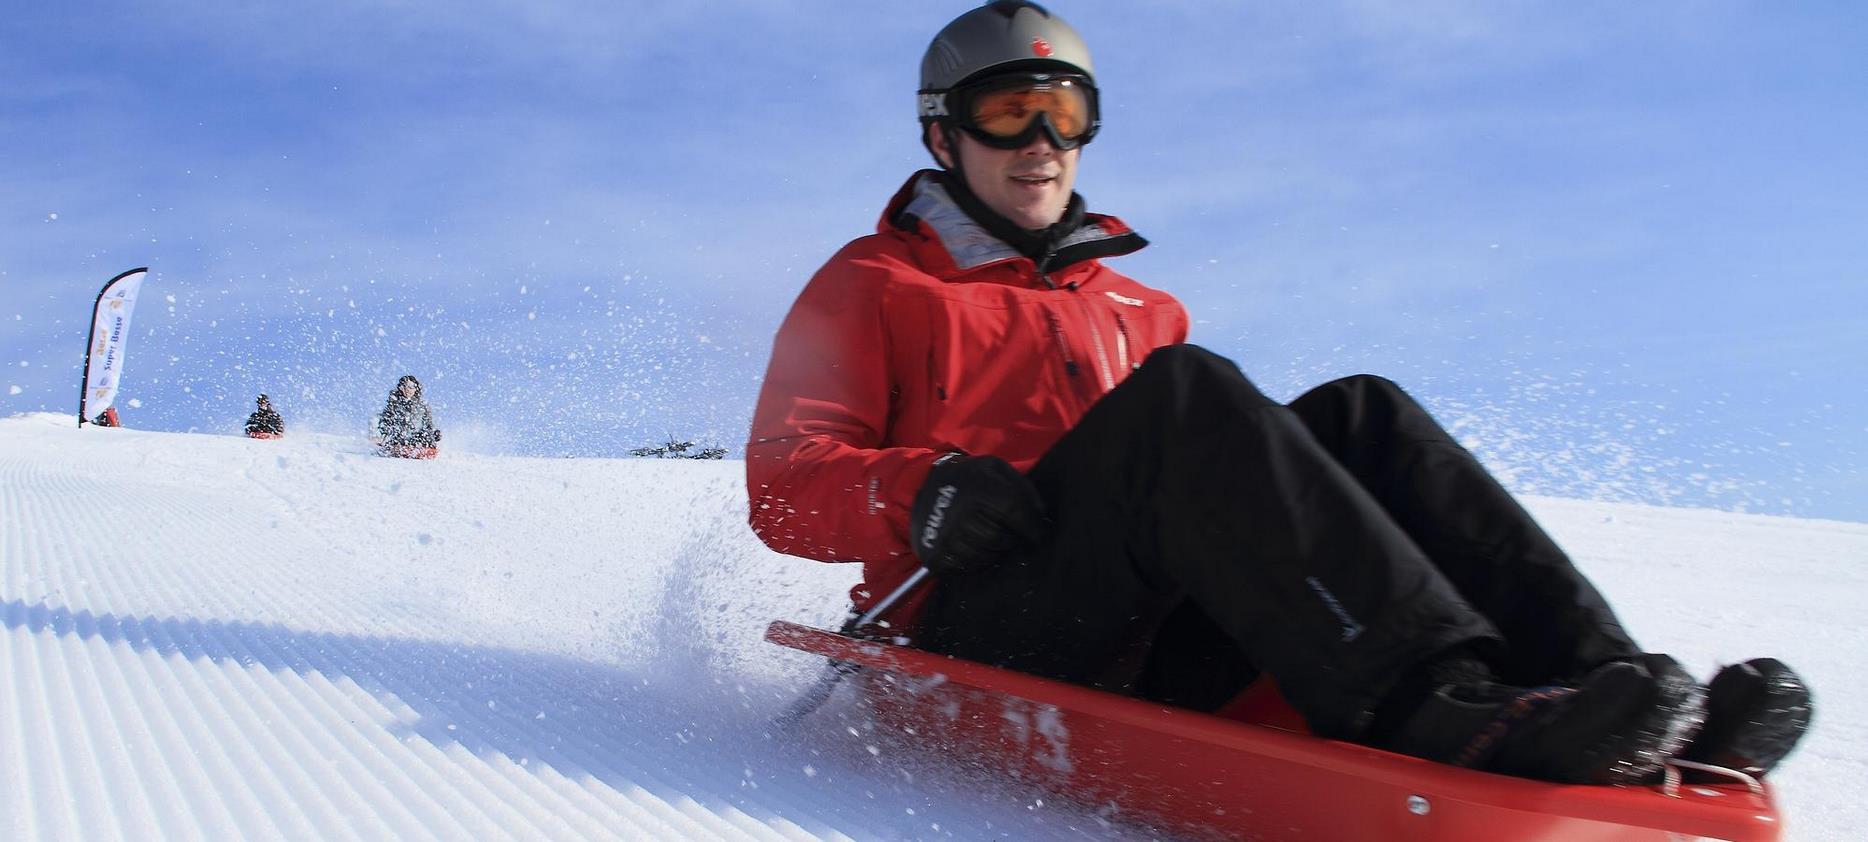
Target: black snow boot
(1618,724)
(1755,713)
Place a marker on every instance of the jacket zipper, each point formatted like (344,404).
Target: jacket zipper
(1089,316)
(1096,340)
(1122,345)
(1063,345)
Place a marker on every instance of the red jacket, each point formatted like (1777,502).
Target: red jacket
(927,337)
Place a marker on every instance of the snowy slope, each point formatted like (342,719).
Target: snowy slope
(210,637)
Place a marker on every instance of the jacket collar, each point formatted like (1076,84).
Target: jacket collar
(923,206)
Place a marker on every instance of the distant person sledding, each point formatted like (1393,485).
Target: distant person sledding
(265,422)
(406,427)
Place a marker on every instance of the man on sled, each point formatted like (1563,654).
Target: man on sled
(971,389)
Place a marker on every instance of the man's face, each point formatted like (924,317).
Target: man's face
(1030,186)
(406,388)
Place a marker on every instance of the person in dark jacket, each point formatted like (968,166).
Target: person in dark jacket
(265,422)
(971,390)
(406,424)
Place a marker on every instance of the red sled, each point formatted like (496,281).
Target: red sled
(260,434)
(1252,771)
(407,451)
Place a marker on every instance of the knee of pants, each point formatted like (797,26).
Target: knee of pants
(1337,410)
(1373,385)
(1190,372)
(1364,390)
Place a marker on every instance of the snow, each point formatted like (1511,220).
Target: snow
(208,636)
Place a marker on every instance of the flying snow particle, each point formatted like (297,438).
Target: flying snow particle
(136,403)
(14,390)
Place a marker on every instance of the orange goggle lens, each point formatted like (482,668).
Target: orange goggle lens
(1009,112)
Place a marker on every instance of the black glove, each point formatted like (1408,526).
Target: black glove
(973,512)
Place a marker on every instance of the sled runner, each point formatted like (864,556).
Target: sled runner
(1250,771)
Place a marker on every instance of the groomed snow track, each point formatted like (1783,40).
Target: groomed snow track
(209,637)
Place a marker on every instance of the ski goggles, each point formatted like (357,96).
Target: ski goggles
(1008,112)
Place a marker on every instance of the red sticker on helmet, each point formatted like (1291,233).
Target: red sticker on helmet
(1040,48)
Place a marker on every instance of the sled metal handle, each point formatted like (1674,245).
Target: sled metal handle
(1671,783)
(836,670)
(876,611)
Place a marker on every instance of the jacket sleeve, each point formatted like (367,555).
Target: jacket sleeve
(821,478)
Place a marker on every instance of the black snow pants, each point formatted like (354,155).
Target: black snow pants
(1204,533)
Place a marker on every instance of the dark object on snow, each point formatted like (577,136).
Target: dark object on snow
(672,449)
(265,422)
(107,418)
(406,424)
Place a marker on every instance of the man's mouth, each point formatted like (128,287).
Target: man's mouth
(1034,180)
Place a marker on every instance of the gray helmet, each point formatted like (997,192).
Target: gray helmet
(1000,38)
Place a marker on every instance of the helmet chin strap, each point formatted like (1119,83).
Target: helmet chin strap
(952,133)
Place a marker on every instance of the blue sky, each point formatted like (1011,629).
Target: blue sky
(1621,248)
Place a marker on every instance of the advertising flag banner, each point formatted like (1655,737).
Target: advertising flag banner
(110,330)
